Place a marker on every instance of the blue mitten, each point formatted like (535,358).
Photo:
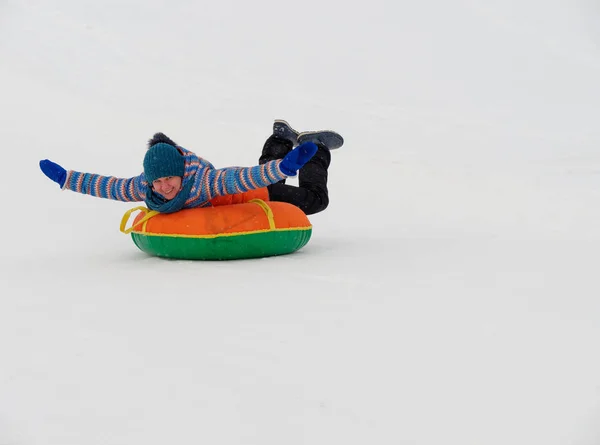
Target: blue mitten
(296,158)
(54,171)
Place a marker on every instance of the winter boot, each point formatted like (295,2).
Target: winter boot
(328,138)
(283,130)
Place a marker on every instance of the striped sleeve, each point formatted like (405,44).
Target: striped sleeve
(232,180)
(108,187)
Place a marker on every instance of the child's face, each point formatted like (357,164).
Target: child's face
(168,187)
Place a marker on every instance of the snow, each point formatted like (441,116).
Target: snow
(449,294)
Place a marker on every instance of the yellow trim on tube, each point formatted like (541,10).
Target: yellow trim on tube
(149,214)
(263,205)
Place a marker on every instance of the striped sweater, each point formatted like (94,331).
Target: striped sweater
(208,182)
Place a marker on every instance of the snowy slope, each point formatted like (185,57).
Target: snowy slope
(449,294)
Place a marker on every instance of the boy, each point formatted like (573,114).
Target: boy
(175,178)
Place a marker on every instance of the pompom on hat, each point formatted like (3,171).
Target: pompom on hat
(163,160)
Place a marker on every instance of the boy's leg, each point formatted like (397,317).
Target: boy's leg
(312,195)
(275,148)
(313,177)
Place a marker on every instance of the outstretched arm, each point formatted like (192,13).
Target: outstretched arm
(108,187)
(232,180)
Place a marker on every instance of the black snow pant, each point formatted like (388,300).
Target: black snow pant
(311,195)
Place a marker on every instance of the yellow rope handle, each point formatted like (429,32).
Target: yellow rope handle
(149,214)
(267,210)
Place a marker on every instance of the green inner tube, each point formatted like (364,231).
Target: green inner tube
(223,247)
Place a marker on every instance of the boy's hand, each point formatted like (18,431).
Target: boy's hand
(54,171)
(296,158)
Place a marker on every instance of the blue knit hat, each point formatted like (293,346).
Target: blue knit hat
(163,160)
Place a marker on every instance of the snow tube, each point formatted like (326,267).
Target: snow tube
(252,229)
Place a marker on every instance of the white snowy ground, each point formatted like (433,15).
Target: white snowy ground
(449,294)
